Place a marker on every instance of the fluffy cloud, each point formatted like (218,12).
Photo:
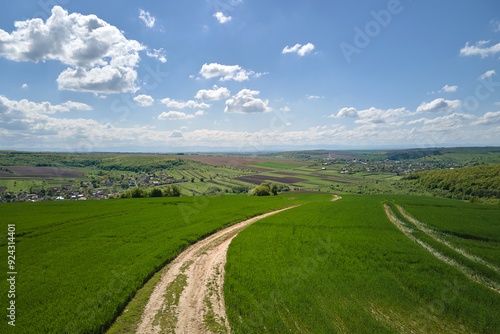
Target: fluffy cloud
(25,86)
(450,122)
(245,103)
(102,60)
(488,74)
(148,20)
(222,18)
(449,89)
(380,116)
(25,115)
(480,49)
(144,100)
(76,106)
(439,105)
(300,49)
(488,119)
(174,115)
(176,134)
(179,115)
(214,94)
(372,116)
(28,107)
(105,80)
(199,113)
(182,104)
(345,112)
(226,72)
(158,54)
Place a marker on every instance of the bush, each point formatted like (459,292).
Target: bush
(212,191)
(137,193)
(156,192)
(240,189)
(263,190)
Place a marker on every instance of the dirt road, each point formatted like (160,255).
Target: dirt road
(189,297)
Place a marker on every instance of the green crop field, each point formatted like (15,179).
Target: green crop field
(344,267)
(274,165)
(79,263)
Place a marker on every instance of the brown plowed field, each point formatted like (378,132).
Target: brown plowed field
(40,172)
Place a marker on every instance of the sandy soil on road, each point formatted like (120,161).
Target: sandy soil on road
(189,297)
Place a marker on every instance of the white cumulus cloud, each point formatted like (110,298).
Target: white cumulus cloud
(175,115)
(245,102)
(439,105)
(184,104)
(226,72)
(222,18)
(449,89)
(488,119)
(214,94)
(158,54)
(488,74)
(144,100)
(299,49)
(481,48)
(345,112)
(148,20)
(101,59)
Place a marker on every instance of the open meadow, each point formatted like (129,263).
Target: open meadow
(343,267)
(79,263)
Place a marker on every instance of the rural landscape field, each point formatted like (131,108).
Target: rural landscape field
(250,166)
(381,241)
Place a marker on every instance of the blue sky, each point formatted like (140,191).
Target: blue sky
(241,75)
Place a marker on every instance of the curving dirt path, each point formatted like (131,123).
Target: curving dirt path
(189,297)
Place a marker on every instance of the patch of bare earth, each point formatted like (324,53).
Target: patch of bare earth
(189,297)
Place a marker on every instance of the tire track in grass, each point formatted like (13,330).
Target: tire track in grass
(435,235)
(189,296)
(407,230)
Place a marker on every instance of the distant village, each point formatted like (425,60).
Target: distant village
(94,190)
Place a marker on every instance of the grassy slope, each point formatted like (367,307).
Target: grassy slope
(80,262)
(343,267)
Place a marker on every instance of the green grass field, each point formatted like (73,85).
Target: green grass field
(79,263)
(274,165)
(343,267)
